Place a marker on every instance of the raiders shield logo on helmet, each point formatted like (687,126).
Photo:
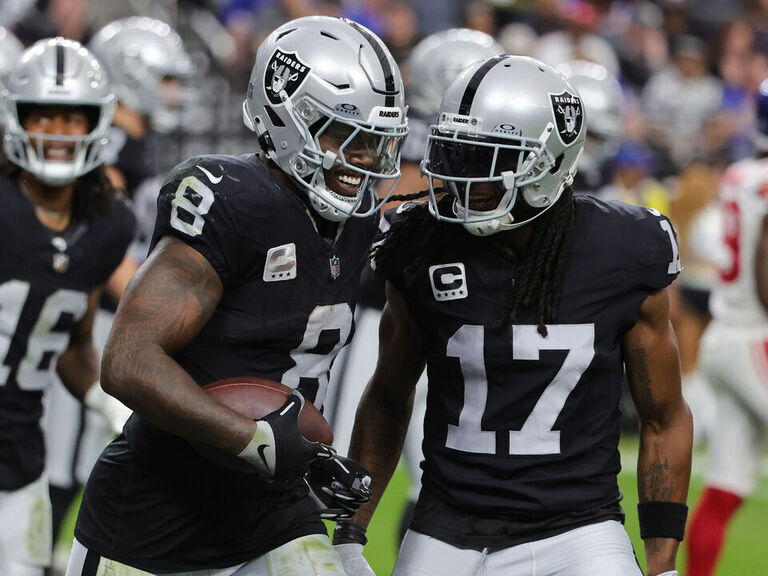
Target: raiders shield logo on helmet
(569,116)
(284,72)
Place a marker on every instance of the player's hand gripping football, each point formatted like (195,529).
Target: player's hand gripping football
(339,486)
(278,450)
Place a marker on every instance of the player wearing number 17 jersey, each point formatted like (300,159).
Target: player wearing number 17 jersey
(734,351)
(253,271)
(526,304)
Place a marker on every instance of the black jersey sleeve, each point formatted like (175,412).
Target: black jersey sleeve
(654,248)
(195,206)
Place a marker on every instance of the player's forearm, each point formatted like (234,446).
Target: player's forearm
(380,427)
(147,380)
(78,368)
(663,474)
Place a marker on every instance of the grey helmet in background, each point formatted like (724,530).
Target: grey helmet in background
(149,68)
(432,65)
(509,120)
(10,51)
(58,72)
(321,75)
(603,100)
(437,60)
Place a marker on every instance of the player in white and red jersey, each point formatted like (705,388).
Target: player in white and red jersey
(734,351)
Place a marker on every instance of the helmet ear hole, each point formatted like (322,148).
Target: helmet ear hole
(556,165)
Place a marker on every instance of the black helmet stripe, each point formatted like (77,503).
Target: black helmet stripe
(389,78)
(474,84)
(59,64)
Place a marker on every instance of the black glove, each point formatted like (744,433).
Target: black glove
(339,486)
(277,449)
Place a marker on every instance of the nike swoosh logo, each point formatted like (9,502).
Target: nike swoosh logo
(211,177)
(261,449)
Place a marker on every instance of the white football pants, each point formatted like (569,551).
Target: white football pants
(602,549)
(310,555)
(25,529)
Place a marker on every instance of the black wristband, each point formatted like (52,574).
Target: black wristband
(662,519)
(350,531)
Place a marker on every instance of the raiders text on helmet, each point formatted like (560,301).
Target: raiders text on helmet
(512,121)
(319,76)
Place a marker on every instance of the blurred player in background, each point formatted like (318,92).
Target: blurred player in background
(254,271)
(734,356)
(10,50)
(526,303)
(147,66)
(63,233)
(603,100)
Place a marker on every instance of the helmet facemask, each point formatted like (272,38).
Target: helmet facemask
(497,179)
(28,149)
(343,161)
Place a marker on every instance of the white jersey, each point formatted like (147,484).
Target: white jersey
(743,199)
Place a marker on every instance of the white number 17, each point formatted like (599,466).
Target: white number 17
(536,435)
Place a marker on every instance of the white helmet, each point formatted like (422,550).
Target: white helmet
(603,98)
(57,71)
(511,120)
(438,59)
(139,53)
(10,51)
(316,76)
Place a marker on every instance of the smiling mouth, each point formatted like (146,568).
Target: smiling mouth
(59,154)
(346,184)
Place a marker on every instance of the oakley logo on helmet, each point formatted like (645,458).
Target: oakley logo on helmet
(284,72)
(507,128)
(569,116)
(449,281)
(281,263)
(349,110)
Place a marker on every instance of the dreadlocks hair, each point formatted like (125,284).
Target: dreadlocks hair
(539,276)
(93,191)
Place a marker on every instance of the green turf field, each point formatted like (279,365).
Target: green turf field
(746,552)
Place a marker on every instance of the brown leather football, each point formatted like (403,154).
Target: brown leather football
(254,398)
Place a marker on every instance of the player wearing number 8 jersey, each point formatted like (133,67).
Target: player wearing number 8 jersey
(526,305)
(62,233)
(253,271)
(734,351)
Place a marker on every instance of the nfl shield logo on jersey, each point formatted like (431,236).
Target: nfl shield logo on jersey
(449,281)
(281,263)
(284,72)
(335,267)
(569,116)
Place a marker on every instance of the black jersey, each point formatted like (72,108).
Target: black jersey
(519,427)
(45,280)
(285,312)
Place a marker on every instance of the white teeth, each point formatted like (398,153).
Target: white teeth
(57,153)
(351,180)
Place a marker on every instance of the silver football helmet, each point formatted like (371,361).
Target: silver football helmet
(603,98)
(438,59)
(139,54)
(10,51)
(56,71)
(320,77)
(508,140)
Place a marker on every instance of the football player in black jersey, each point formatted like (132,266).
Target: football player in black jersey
(63,231)
(526,304)
(254,271)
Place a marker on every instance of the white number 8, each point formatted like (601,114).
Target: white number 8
(181,202)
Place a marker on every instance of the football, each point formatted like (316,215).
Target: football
(254,398)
